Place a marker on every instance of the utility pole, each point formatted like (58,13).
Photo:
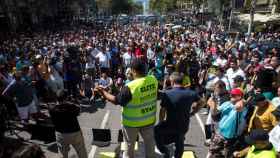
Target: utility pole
(252,13)
(231,14)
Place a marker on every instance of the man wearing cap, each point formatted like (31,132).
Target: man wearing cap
(230,116)
(260,145)
(262,117)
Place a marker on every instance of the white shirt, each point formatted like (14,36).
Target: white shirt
(220,62)
(274,137)
(127,58)
(210,82)
(105,82)
(241,45)
(94,52)
(104,59)
(90,64)
(55,82)
(276,101)
(150,54)
(232,74)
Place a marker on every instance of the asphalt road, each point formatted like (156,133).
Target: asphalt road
(109,116)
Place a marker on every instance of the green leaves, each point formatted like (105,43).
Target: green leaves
(163,6)
(120,6)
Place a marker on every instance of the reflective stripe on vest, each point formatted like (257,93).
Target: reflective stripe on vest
(139,118)
(141,110)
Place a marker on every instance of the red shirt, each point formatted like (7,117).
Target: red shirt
(138,52)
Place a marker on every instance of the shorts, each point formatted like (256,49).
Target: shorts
(26,110)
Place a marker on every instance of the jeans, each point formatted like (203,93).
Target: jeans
(130,135)
(72,88)
(164,135)
(76,139)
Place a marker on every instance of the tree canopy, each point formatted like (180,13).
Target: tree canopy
(117,6)
(163,5)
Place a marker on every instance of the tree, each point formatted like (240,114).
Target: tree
(162,6)
(252,13)
(275,6)
(104,6)
(197,3)
(121,6)
(136,8)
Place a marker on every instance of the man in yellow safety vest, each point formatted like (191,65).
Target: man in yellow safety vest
(139,105)
(260,146)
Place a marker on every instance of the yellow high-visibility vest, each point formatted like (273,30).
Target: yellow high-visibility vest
(261,153)
(141,110)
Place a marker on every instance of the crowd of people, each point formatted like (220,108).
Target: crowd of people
(237,76)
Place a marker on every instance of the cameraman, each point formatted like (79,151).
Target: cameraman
(72,72)
(68,131)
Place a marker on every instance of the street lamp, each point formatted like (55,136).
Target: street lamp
(252,13)
(231,14)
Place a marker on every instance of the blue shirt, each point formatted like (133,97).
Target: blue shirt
(227,126)
(159,61)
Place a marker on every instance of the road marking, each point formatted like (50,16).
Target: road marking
(188,154)
(208,155)
(102,126)
(201,124)
(107,155)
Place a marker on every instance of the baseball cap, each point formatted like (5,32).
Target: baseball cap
(260,97)
(236,91)
(238,78)
(256,135)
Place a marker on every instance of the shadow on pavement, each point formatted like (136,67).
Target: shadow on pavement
(92,107)
(53,148)
(189,145)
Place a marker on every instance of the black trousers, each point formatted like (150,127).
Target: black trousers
(72,88)
(164,135)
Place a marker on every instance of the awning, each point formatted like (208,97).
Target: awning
(259,17)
